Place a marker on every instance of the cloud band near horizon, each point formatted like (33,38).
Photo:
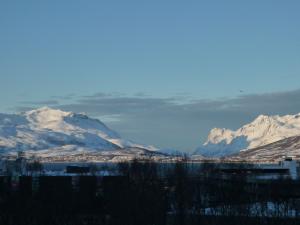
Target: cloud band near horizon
(174,122)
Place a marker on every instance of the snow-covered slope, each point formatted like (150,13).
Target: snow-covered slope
(262,131)
(46,128)
(276,151)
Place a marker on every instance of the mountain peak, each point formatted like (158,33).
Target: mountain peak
(46,114)
(263,130)
(216,134)
(45,128)
(261,118)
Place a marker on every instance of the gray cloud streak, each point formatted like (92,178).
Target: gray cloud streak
(47,102)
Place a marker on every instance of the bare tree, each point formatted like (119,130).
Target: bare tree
(34,167)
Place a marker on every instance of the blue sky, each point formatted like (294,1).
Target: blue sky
(60,52)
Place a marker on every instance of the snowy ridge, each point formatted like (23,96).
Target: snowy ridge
(274,152)
(44,129)
(262,131)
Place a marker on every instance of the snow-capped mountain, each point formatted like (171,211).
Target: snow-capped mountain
(47,130)
(262,131)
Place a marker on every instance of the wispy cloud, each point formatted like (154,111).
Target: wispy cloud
(38,103)
(70,96)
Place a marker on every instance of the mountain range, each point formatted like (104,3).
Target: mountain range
(255,137)
(54,134)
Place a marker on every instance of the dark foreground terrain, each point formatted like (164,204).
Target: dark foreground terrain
(141,195)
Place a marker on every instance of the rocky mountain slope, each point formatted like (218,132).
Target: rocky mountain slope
(276,151)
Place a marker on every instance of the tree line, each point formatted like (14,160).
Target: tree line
(149,193)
